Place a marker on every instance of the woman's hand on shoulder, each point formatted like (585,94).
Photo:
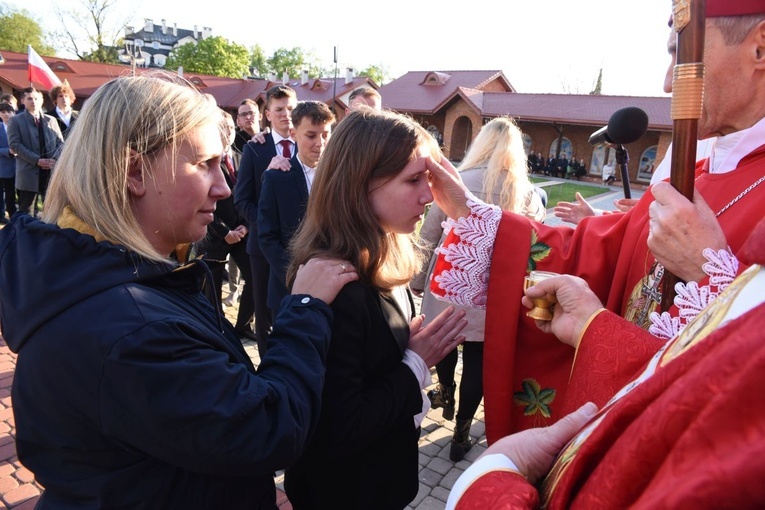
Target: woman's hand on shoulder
(440,337)
(323,278)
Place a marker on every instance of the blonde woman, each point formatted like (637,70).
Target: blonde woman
(131,390)
(370,191)
(494,169)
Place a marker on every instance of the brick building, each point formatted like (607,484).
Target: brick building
(458,103)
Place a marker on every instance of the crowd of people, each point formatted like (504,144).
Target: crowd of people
(152,401)
(560,166)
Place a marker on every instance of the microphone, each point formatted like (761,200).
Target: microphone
(625,126)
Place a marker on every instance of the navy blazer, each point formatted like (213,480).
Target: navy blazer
(256,157)
(282,206)
(7,160)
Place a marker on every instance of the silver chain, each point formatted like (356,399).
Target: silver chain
(740,195)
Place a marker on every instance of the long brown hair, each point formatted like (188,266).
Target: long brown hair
(339,222)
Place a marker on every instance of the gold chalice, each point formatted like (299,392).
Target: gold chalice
(542,310)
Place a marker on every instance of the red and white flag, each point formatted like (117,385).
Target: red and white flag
(39,72)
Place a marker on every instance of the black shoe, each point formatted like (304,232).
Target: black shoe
(461,442)
(443,396)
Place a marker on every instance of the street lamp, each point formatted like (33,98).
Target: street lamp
(132,56)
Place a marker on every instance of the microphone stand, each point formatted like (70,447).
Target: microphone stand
(622,158)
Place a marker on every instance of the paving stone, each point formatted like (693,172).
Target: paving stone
(28,504)
(8,452)
(422,492)
(7,484)
(440,493)
(6,469)
(6,414)
(447,482)
(429,449)
(440,465)
(431,503)
(430,477)
(20,494)
(24,475)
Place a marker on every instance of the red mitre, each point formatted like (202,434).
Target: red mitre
(717,8)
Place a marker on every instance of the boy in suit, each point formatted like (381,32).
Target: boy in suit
(63,97)
(275,152)
(284,195)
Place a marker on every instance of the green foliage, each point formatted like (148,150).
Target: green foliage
(214,56)
(18,29)
(291,61)
(103,54)
(376,73)
(258,61)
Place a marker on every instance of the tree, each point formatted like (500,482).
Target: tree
(18,29)
(214,56)
(376,73)
(291,61)
(596,90)
(93,31)
(258,62)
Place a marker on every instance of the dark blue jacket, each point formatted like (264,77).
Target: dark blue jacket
(130,391)
(256,157)
(282,205)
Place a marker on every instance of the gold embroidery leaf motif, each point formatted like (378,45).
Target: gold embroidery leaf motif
(539,251)
(534,399)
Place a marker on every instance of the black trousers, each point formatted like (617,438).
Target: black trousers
(263,322)
(28,199)
(9,194)
(238,253)
(471,385)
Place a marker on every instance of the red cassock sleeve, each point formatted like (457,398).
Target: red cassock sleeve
(610,353)
(499,490)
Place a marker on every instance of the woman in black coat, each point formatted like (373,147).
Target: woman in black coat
(370,191)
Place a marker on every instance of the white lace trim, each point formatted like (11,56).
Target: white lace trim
(467,282)
(722,268)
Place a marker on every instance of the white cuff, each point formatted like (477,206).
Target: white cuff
(421,372)
(418,368)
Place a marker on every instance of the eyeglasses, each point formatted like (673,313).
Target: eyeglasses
(246,114)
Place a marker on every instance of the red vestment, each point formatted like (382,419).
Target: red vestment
(690,435)
(526,372)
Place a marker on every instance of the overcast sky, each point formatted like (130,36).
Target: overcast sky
(554,46)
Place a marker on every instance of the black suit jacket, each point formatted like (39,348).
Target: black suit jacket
(255,160)
(366,428)
(282,205)
(62,125)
